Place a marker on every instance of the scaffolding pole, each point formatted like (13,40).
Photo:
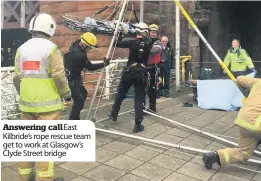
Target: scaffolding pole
(163,143)
(198,131)
(107,56)
(2,14)
(177,49)
(22,23)
(142,11)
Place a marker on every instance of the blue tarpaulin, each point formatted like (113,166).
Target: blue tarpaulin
(219,94)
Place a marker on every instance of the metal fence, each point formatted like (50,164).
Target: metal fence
(10,97)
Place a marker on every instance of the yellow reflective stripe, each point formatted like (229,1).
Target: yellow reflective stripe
(25,171)
(37,76)
(226,156)
(46,174)
(256,84)
(258,122)
(245,124)
(51,57)
(40,104)
(17,67)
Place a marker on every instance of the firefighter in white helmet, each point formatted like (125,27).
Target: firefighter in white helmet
(135,74)
(41,83)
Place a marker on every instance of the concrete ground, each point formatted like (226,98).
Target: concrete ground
(124,159)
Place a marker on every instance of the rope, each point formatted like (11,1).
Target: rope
(113,10)
(94,116)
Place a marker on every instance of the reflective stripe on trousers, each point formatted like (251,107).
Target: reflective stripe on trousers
(43,173)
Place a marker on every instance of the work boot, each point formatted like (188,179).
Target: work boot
(111,117)
(138,128)
(166,93)
(258,147)
(210,158)
(59,179)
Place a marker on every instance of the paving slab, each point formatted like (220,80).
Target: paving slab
(193,144)
(8,174)
(67,175)
(131,177)
(167,162)
(78,167)
(103,155)
(168,138)
(118,146)
(159,127)
(179,177)
(239,172)
(180,132)
(80,178)
(226,177)
(257,176)
(214,113)
(151,172)
(181,154)
(200,138)
(196,171)
(124,163)
(200,121)
(182,117)
(149,133)
(104,173)
(141,153)
(102,140)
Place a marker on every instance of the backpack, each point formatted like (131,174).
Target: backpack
(205,74)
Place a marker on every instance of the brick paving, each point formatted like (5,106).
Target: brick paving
(125,159)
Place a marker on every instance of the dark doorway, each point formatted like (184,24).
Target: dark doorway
(229,20)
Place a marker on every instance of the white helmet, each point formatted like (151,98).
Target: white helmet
(141,27)
(44,23)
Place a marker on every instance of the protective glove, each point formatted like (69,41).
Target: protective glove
(106,62)
(253,70)
(68,102)
(68,99)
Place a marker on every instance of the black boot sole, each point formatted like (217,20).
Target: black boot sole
(138,129)
(111,117)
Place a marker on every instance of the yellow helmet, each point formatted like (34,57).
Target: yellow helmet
(89,39)
(154,27)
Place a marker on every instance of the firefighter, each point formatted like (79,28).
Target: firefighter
(153,67)
(75,60)
(41,84)
(166,63)
(134,74)
(238,59)
(249,122)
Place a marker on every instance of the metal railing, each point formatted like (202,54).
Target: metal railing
(10,97)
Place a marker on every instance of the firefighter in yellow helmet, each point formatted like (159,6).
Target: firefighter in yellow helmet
(239,61)
(41,83)
(75,60)
(249,122)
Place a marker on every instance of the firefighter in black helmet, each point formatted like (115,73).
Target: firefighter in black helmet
(135,74)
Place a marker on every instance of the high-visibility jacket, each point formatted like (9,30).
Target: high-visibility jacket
(39,76)
(249,116)
(238,59)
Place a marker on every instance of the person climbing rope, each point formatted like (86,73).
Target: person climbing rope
(75,60)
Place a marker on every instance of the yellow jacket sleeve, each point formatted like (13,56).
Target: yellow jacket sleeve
(227,59)
(16,78)
(246,81)
(247,59)
(58,74)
